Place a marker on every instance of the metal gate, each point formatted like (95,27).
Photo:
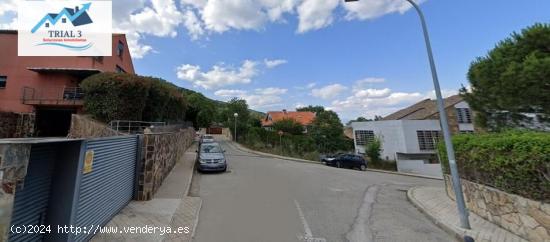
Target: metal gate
(32,197)
(107,183)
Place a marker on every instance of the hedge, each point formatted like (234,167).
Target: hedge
(121,96)
(517,162)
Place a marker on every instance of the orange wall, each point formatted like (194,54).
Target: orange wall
(15,68)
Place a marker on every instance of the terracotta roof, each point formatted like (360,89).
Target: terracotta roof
(423,109)
(304,118)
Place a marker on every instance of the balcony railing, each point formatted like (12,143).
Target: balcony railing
(134,127)
(64,96)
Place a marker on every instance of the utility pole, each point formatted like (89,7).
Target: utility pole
(457,186)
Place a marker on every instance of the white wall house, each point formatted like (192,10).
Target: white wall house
(411,143)
(409,136)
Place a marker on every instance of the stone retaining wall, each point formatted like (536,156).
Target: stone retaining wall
(16,125)
(85,127)
(527,218)
(159,154)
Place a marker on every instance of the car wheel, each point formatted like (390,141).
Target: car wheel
(338,164)
(363,167)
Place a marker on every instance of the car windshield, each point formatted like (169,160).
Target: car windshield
(211,149)
(207,137)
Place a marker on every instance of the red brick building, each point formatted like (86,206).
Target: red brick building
(49,86)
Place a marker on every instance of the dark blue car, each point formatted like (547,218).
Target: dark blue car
(346,161)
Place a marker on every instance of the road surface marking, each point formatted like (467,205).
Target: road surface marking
(308,236)
(360,231)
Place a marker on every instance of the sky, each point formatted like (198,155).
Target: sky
(364,58)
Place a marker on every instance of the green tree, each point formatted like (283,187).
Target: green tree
(239,106)
(359,119)
(328,132)
(513,78)
(315,109)
(289,126)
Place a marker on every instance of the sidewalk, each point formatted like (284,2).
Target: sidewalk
(171,207)
(245,149)
(434,202)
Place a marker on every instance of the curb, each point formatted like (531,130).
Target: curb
(406,174)
(196,223)
(458,236)
(242,148)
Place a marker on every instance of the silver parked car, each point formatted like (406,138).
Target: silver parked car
(211,157)
(207,139)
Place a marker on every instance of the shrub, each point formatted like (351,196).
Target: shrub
(514,161)
(112,96)
(373,150)
(288,126)
(121,96)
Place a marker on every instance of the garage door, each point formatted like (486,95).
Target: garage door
(31,199)
(107,182)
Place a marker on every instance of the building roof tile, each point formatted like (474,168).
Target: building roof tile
(304,118)
(423,109)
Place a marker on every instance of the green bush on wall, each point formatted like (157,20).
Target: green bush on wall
(514,161)
(121,96)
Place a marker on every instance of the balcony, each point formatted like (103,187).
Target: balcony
(53,96)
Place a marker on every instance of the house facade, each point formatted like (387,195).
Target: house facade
(409,136)
(303,118)
(47,88)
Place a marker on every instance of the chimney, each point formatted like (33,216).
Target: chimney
(76,9)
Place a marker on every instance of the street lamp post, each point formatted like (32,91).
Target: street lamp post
(235,115)
(464,222)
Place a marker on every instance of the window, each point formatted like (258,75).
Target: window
(119,69)
(427,139)
(3,81)
(47,25)
(120,49)
(464,116)
(64,20)
(363,137)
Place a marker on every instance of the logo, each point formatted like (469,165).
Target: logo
(65,28)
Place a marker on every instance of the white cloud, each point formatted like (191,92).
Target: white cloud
(371,102)
(163,18)
(328,92)
(194,26)
(160,18)
(271,91)
(274,63)
(311,85)
(230,93)
(299,105)
(219,76)
(363,83)
(444,92)
(260,98)
(372,93)
(7,6)
(223,15)
(370,9)
(315,14)
(7,9)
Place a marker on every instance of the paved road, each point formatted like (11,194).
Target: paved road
(263,199)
